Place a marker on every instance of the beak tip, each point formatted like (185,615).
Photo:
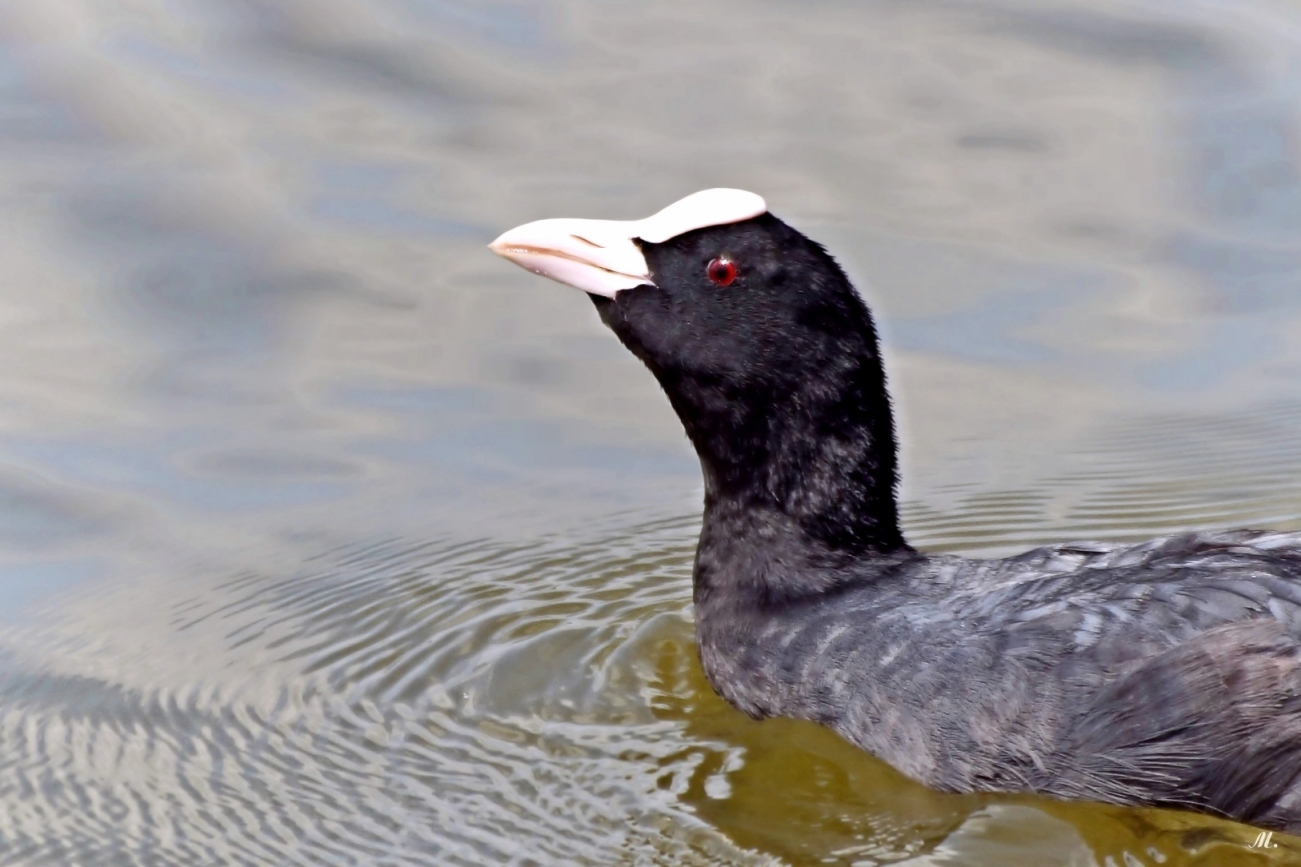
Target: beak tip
(561,250)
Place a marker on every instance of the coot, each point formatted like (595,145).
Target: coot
(1165,674)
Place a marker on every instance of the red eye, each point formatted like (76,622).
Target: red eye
(721,271)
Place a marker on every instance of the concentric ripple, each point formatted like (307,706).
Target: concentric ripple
(464,703)
(246,304)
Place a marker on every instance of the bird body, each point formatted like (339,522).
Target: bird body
(1164,674)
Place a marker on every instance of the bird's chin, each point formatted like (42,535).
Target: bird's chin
(613,313)
(606,309)
(604,302)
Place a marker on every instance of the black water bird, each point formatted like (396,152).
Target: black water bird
(1164,674)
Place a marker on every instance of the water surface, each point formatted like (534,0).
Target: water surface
(328,538)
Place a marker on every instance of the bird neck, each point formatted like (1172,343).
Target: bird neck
(808,454)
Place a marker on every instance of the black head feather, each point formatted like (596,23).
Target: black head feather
(776,377)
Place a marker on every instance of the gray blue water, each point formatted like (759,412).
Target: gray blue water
(328,538)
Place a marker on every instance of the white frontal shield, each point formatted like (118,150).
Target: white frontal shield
(601,256)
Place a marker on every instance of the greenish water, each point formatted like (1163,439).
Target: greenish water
(328,538)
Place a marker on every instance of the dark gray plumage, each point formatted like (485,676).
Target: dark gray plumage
(1163,674)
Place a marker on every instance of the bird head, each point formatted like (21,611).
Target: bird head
(765,350)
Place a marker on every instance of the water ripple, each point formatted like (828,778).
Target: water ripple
(459,703)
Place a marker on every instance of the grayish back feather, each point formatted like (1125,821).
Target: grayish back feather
(1167,673)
